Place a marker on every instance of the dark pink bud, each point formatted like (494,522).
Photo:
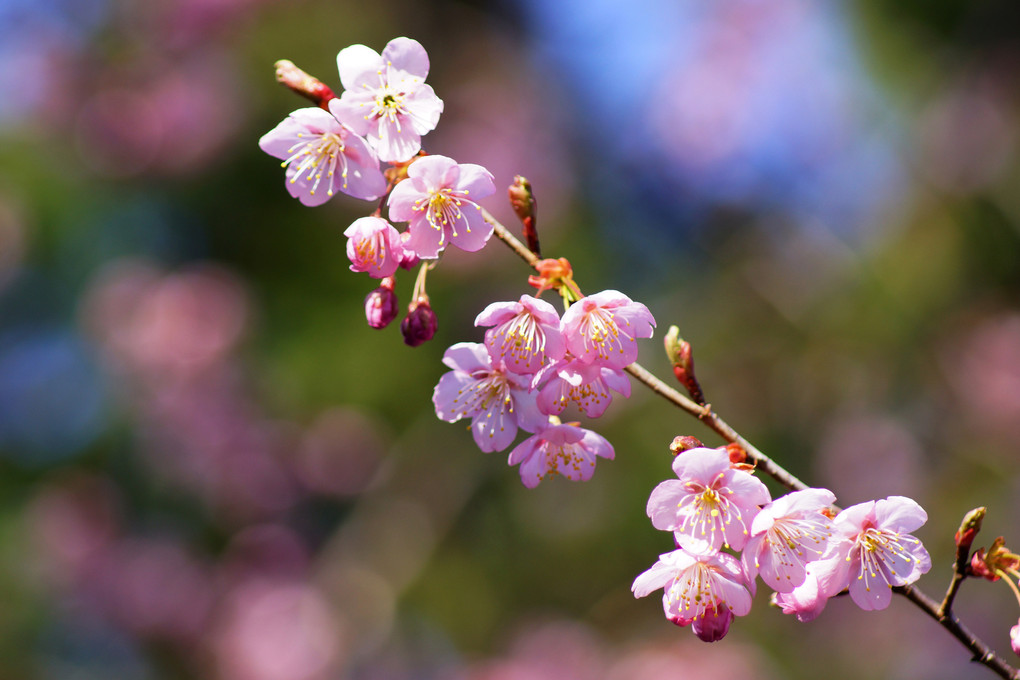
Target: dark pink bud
(408,259)
(714,625)
(419,325)
(381,307)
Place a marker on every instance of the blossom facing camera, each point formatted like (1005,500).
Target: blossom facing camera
(381,307)
(602,328)
(711,503)
(708,590)
(496,400)
(565,450)
(323,157)
(874,551)
(438,200)
(374,246)
(385,97)
(524,334)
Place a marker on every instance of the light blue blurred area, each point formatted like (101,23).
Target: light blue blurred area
(684,107)
(52,395)
(34,36)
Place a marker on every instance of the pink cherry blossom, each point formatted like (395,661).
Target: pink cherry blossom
(385,97)
(874,551)
(323,157)
(786,536)
(602,328)
(585,385)
(438,200)
(807,600)
(374,246)
(709,505)
(496,400)
(524,334)
(1014,638)
(566,450)
(704,589)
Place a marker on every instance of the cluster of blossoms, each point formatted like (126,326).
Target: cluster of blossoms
(381,115)
(793,543)
(533,365)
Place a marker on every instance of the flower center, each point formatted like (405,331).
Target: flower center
(317,157)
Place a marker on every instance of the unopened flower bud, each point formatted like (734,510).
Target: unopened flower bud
(305,85)
(683,443)
(678,351)
(714,625)
(969,528)
(522,199)
(381,306)
(420,323)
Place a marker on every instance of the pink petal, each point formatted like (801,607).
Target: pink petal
(654,578)
(432,170)
(354,62)
(525,449)
(396,142)
(702,465)
(871,594)
(467,357)
(899,514)
(403,196)
(663,503)
(352,110)
(424,108)
(473,232)
(446,394)
(494,430)
(598,445)
(407,55)
(497,313)
(476,182)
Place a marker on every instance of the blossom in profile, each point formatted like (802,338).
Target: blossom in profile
(323,157)
(704,590)
(786,535)
(587,386)
(385,97)
(438,200)
(523,334)
(711,504)
(602,328)
(874,551)
(806,601)
(557,449)
(374,246)
(496,400)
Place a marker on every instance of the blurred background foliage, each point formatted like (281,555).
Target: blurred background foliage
(211,468)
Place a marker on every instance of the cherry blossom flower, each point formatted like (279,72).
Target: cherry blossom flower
(873,551)
(524,334)
(496,400)
(807,600)
(707,590)
(567,450)
(438,200)
(786,536)
(323,157)
(602,328)
(385,97)
(374,246)
(585,385)
(709,505)
(1014,638)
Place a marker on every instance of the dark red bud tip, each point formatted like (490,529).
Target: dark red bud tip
(684,443)
(305,85)
(979,567)
(381,307)
(419,325)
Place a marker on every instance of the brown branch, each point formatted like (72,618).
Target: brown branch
(982,653)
